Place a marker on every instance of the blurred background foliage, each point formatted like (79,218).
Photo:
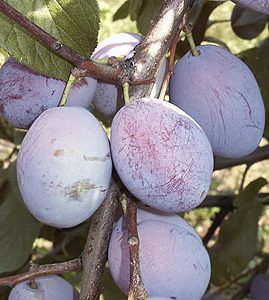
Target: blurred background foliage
(212,24)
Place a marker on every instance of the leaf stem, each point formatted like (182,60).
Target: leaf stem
(194,50)
(126,93)
(72,79)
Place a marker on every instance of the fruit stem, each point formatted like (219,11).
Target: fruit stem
(104,61)
(72,79)
(33,285)
(194,50)
(126,93)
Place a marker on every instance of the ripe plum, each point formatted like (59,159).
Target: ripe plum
(261,6)
(171,262)
(259,288)
(64,166)
(25,94)
(48,288)
(220,92)
(161,154)
(108,98)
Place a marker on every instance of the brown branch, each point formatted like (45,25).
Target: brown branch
(95,252)
(227,201)
(150,53)
(170,67)
(115,73)
(219,217)
(260,154)
(136,288)
(44,270)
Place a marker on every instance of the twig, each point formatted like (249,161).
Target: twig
(95,252)
(227,201)
(170,67)
(242,292)
(136,288)
(44,270)
(150,53)
(260,154)
(260,267)
(219,217)
(103,72)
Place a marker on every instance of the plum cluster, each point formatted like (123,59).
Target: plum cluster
(162,151)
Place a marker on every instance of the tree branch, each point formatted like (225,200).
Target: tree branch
(95,252)
(151,52)
(260,154)
(227,201)
(44,270)
(115,73)
(136,288)
(219,217)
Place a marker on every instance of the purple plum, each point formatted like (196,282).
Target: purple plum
(173,261)
(108,98)
(259,288)
(261,6)
(64,166)
(220,92)
(48,288)
(25,94)
(161,154)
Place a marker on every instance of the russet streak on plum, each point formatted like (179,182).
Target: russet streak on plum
(156,149)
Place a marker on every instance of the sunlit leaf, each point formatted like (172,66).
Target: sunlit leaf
(238,238)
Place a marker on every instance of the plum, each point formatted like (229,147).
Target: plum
(48,288)
(108,98)
(64,166)
(220,92)
(174,263)
(261,6)
(161,154)
(246,23)
(25,94)
(259,288)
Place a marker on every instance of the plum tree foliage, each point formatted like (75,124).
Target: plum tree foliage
(205,105)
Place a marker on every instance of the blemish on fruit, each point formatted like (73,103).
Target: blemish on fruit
(75,190)
(58,152)
(96,158)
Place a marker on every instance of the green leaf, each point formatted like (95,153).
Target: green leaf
(134,8)
(148,11)
(18,229)
(238,237)
(75,23)
(111,291)
(122,12)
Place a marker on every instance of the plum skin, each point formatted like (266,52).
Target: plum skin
(48,288)
(161,154)
(261,6)
(174,264)
(25,94)
(64,166)
(220,92)
(108,98)
(259,288)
